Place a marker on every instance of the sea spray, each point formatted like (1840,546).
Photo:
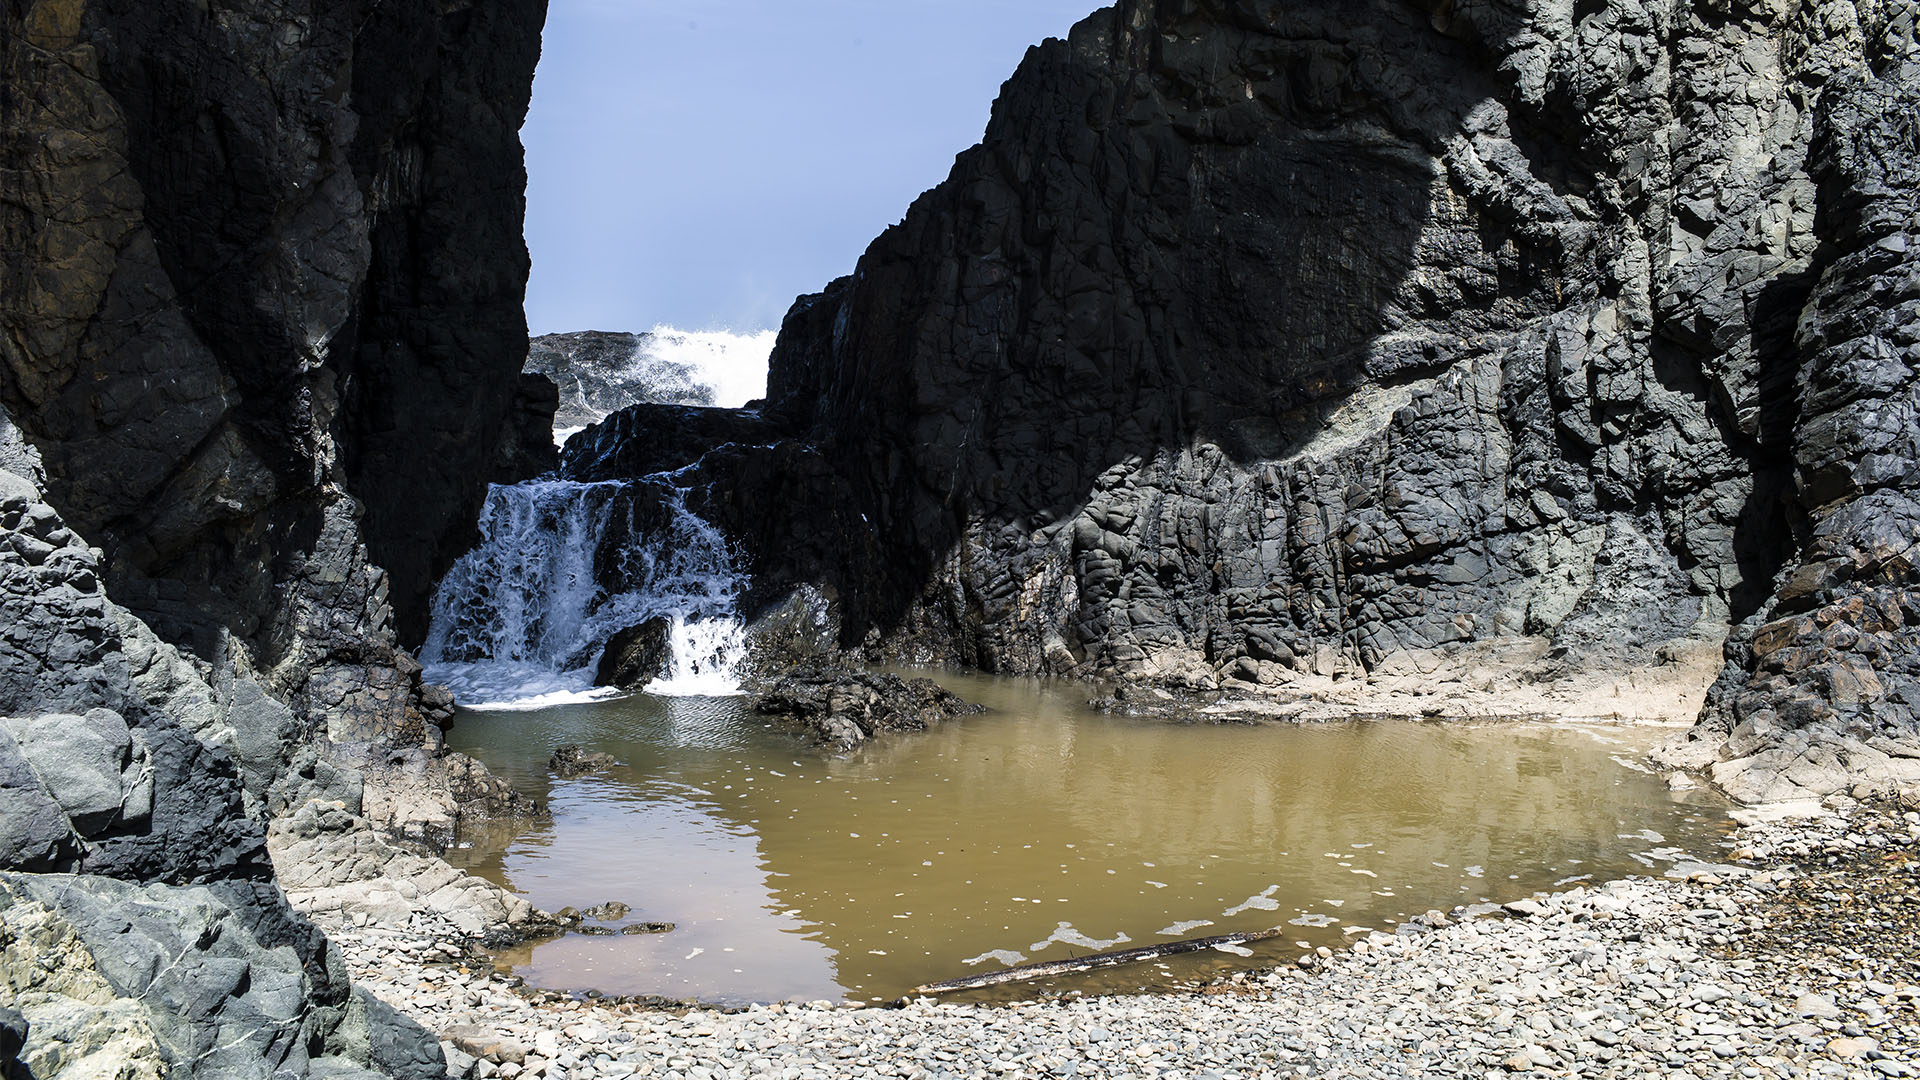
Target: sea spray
(733,365)
(561,567)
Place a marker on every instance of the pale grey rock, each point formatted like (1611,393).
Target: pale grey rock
(84,762)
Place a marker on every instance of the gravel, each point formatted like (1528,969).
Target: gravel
(1799,959)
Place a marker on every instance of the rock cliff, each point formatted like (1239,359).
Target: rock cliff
(260,337)
(1488,357)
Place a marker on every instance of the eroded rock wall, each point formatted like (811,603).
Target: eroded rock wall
(142,932)
(1823,693)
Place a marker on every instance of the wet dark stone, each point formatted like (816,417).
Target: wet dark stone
(635,656)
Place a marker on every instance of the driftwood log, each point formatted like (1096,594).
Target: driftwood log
(1047,969)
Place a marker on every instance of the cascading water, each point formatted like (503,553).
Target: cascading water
(563,566)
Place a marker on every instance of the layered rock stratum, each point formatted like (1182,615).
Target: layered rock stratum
(1463,357)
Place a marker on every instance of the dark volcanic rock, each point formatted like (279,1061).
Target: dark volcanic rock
(1289,344)
(649,438)
(635,656)
(846,708)
(168,943)
(248,279)
(599,373)
(571,760)
(1823,694)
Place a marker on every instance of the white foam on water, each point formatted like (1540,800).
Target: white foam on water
(1065,934)
(1181,929)
(734,365)
(501,687)
(1005,956)
(1262,900)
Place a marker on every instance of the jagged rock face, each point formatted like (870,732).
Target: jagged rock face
(1275,343)
(601,372)
(116,979)
(1826,690)
(258,260)
(147,936)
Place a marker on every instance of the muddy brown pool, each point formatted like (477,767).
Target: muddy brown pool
(1038,831)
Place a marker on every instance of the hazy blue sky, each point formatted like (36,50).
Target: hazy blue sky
(702,162)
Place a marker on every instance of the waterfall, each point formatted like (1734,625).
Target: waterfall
(561,567)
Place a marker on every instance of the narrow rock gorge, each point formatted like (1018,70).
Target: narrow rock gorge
(1450,359)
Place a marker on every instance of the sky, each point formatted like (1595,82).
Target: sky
(700,163)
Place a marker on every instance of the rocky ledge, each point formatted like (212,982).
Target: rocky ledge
(843,709)
(1795,960)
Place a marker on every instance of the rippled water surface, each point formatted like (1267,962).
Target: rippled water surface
(1035,832)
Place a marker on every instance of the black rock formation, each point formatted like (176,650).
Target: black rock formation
(1283,345)
(264,296)
(843,709)
(572,760)
(634,656)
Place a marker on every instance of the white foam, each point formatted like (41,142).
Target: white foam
(705,655)
(507,686)
(733,365)
(1262,900)
(1005,956)
(1065,934)
(1181,929)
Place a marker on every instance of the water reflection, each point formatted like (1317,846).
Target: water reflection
(1035,832)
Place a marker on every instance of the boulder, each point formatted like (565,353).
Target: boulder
(83,762)
(635,656)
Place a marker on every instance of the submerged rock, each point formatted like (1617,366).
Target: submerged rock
(571,760)
(846,708)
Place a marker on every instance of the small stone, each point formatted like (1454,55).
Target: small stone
(1847,1049)
(1816,1007)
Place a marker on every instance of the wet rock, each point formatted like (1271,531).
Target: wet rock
(635,656)
(845,708)
(571,760)
(610,911)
